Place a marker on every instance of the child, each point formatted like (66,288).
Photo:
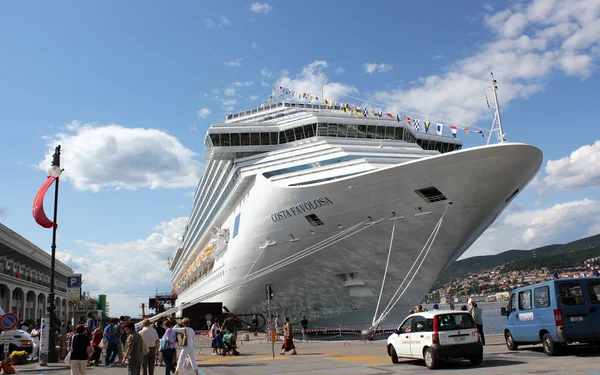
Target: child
(219,341)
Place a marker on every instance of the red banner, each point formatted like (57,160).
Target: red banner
(38,205)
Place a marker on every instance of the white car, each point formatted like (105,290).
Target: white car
(436,336)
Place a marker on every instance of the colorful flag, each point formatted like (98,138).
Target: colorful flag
(439,128)
(38,205)
(480,132)
(466,131)
(417,127)
(398,118)
(453,129)
(389,115)
(408,120)
(427,126)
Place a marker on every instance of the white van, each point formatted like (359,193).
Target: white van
(436,336)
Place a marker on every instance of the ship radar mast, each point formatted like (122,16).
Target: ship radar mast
(495,112)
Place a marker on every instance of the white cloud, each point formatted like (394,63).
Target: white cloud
(339,70)
(242,84)
(438,57)
(234,63)
(531,42)
(520,229)
(228,102)
(229,91)
(371,68)
(224,21)
(313,80)
(104,271)
(253,97)
(203,112)
(261,8)
(265,72)
(113,156)
(581,169)
(254,46)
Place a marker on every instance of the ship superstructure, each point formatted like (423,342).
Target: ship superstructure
(289,179)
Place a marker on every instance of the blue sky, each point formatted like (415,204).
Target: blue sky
(129,88)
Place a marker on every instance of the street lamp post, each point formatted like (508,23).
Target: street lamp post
(54,171)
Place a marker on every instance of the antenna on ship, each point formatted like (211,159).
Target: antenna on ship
(497,120)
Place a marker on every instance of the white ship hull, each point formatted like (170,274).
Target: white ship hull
(479,181)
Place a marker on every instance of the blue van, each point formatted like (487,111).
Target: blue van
(554,313)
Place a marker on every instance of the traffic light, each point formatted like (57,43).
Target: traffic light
(270,291)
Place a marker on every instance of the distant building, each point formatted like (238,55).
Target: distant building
(25,278)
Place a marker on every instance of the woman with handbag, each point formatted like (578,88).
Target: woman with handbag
(187,346)
(167,347)
(79,354)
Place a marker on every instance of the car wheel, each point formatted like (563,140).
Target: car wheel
(510,342)
(476,360)
(393,354)
(430,360)
(549,345)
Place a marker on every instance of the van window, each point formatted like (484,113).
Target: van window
(453,322)
(594,291)
(406,326)
(525,300)
(419,324)
(513,303)
(541,297)
(571,294)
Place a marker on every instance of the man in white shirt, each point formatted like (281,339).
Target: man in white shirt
(150,337)
(35,339)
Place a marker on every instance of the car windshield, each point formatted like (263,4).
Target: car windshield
(455,321)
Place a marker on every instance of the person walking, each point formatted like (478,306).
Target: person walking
(288,340)
(171,338)
(96,340)
(304,325)
(161,331)
(135,349)
(110,333)
(80,351)
(187,348)
(35,340)
(150,337)
(476,313)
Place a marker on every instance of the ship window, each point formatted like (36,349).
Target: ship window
(214,138)
(299,133)
(380,131)
(362,131)
(274,137)
(371,131)
(309,131)
(331,130)
(225,140)
(235,139)
(431,194)
(255,139)
(389,132)
(351,131)
(289,135)
(322,130)
(313,220)
(282,139)
(342,131)
(264,138)
(245,139)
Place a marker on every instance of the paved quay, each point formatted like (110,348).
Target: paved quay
(370,358)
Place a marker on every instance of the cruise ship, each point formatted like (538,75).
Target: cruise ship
(324,205)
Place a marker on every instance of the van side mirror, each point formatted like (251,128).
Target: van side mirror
(503,311)
(396,331)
